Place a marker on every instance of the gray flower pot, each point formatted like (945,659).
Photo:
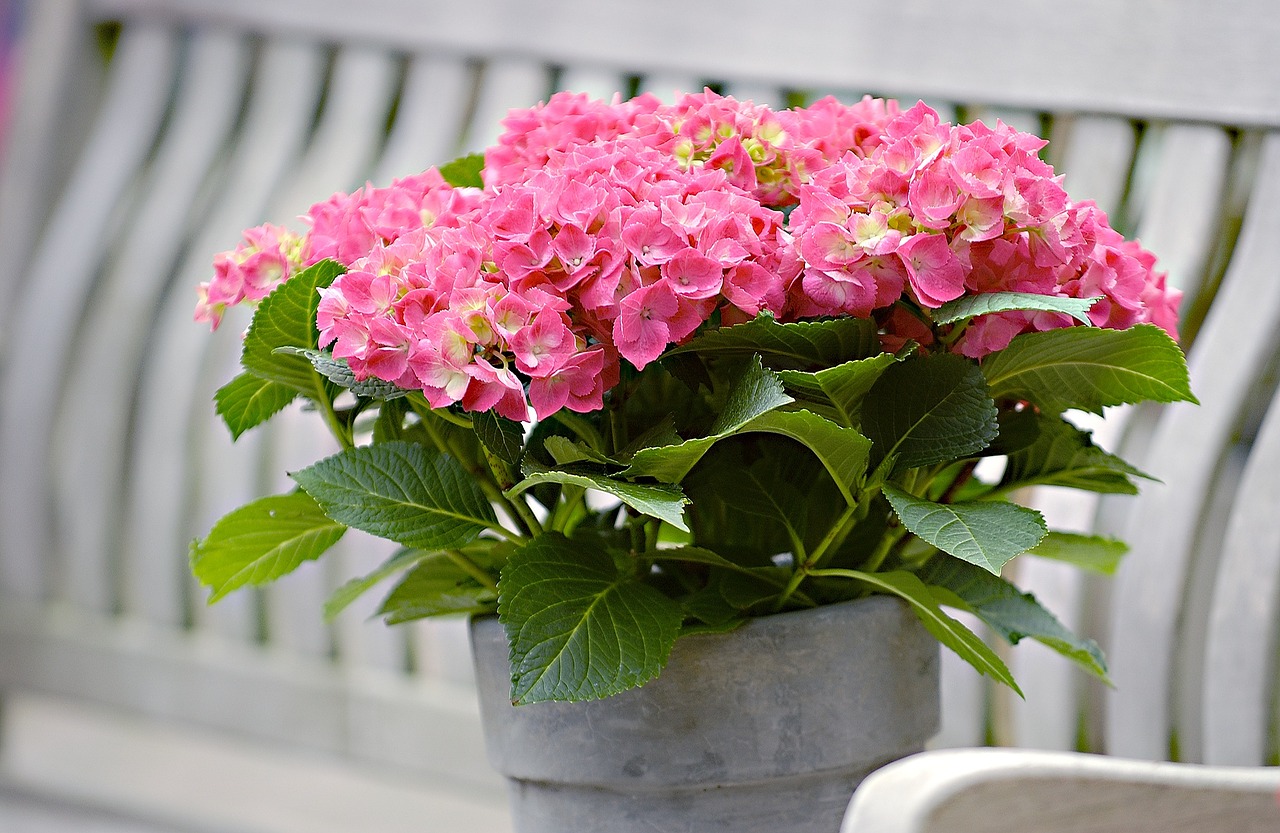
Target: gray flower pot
(767,728)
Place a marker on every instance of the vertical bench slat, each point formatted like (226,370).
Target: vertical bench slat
(1240,651)
(55,294)
(505,83)
(1188,445)
(430,121)
(173,399)
(110,344)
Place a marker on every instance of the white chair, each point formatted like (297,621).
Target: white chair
(215,115)
(977,790)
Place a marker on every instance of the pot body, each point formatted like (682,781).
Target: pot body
(766,729)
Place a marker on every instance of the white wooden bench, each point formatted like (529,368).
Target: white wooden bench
(215,115)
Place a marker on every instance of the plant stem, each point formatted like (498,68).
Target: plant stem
(891,537)
(340,432)
(472,569)
(517,504)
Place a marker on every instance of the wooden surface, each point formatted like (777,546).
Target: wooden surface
(1155,58)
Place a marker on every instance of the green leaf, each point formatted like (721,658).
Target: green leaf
(843,451)
(655,500)
(1088,552)
(287,318)
(757,391)
(339,372)
(579,629)
(464,172)
(402,492)
(436,586)
(969,306)
(948,631)
(1010,612)
(1064,455)
(1089,369)
(247,401)
(566,452)
(503,437)
(985,533)
(929,409)
(357,587)
(801,345)
(261,541)
(841,387)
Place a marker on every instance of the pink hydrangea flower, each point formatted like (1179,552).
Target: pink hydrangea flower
(609,231)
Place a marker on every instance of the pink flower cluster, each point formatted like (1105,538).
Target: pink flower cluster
(610,231)
(936,211)
(345,228)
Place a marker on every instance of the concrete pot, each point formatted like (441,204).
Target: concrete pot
(768,728)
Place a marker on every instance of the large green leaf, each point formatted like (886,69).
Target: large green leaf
(665,502)
(402,492)
(841,387)
(929,409)
(757,391)
(1095,553)
(437,586)
(248,400)
(843,451)
(1010,612)
(261,541)
(801,345)
(464,172)
(1088,369)
(985,533)
(1063,455)
(945,629)
(579,629)
(969,306)
(403,559)
(287,318)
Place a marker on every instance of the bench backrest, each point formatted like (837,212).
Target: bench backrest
(215,115)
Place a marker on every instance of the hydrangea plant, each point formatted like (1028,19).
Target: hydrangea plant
(647,370)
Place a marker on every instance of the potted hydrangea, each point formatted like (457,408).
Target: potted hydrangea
(705,384)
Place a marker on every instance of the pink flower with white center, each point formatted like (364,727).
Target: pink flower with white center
(934,272)
(933,198)
(976,172)
(829,246)
(641,331)
(981,219)
(838,293)
(693,275)
(577,384)
(647,239)
(368,293)
(575,249)
(442,382)
(543,345)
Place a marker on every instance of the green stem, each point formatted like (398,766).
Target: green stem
(505,481)
(340,432)
(472,569)
(882,550)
